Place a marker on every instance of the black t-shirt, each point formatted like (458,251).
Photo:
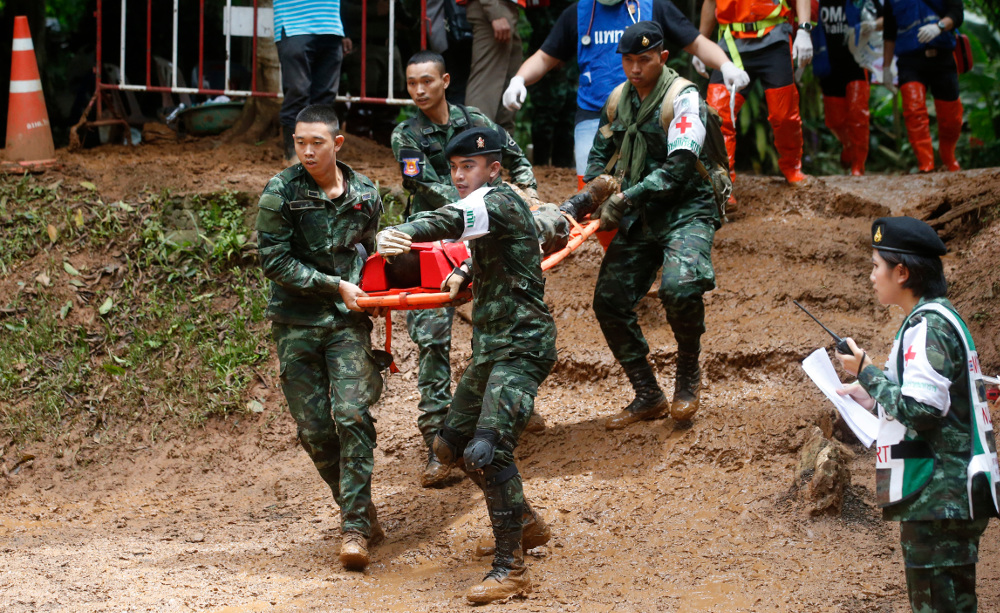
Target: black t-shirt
(834,20)
(677,30)
(952,8)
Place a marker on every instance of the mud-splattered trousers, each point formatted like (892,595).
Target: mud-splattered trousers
(307,244)
(668,229)
(513,347)
(939,537)
(418,145)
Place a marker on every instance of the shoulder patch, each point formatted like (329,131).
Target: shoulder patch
(411,163)
(271,202)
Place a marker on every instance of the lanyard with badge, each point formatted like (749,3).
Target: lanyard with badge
(634,13)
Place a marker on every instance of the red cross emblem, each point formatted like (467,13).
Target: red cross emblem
(684,124)
(909,355)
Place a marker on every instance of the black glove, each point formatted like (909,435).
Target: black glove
(579,205)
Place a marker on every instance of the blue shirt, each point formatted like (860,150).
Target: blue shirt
(297,17)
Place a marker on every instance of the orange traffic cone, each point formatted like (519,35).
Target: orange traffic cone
(29,136)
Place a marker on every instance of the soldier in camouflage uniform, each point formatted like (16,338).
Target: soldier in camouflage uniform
(936,466)
(418,145)
(513,342)
(666,218)
(315,223)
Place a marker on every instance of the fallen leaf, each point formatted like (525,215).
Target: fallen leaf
(43,279)
(106,306)
(255,406)
(69,268)
(64,311)
(88,185)
(78,218)
(125,207)
(55,185)
(53,233)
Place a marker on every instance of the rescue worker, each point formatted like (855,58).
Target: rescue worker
(590,30)
(666,218)
(844,84)
(921,34)
(513,342)
(936,467)
(418,145)
(757,36)
(315,223)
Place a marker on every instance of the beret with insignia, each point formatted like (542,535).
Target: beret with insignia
(640,37)
(475,141)
(906,235)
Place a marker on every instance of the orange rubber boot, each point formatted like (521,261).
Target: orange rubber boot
(858,120)
(783,113)
(918,126)
(835,118)
(949,116)
(718,99)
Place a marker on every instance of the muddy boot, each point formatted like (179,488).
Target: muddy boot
(649,402)
(536,423)
(534,533)
(354,551)
(509,576)
(435,473)
(687,385)
(378,534)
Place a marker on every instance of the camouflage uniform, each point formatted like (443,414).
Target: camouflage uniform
(418,145)
(513,350)
(671,225)
(308,243)
(940,540)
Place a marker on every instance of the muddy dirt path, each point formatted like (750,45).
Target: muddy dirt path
(233,517)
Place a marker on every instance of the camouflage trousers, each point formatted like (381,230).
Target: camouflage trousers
(330,380)
(430,329)
(683,256)
(498,396)
(940,558)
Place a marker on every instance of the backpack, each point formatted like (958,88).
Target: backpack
(714,148)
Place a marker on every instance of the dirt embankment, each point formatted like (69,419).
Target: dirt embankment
(232,517)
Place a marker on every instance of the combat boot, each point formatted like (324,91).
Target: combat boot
(378,534)
(534,533)
(435,473)
(649,403)
(687,385)
(354,551)
(509,576)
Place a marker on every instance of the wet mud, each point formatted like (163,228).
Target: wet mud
(233,518)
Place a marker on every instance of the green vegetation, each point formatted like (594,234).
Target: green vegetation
(130,312)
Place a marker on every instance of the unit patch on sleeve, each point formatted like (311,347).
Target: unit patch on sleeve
(411,163)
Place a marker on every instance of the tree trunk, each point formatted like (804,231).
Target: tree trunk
(259,120)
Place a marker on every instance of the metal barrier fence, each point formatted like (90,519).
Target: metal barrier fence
(233,18)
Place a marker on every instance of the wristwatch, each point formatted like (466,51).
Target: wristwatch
(940,24)
(806,25)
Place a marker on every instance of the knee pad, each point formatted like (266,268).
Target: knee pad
(446,446)
(480,450)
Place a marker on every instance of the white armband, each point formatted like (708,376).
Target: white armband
(477,220)
(687,131)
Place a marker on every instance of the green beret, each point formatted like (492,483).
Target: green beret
(473,142)
(906,235)
(640,37)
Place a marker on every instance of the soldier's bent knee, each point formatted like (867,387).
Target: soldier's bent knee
(448,445)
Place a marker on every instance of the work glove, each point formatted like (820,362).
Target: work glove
(733,77)
(802,48)
(390,242)
(867,27)
(889,78)
(699,66)
(612,211)
(515,93)
(457,280)
(928,33)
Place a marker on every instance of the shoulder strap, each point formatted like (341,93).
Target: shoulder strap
(667,106)
(613,99)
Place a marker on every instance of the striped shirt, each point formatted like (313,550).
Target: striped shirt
(296,17)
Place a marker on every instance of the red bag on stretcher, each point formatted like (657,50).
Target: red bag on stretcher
(399,282)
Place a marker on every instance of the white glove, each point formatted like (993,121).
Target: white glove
(928,33)
(889,78)
(390,242)
(802,49)
(733,77)
(515,94)
(456,281)
(867,27)
(699,66)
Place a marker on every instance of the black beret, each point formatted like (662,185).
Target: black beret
(475,141)
(640,36)
(906,235)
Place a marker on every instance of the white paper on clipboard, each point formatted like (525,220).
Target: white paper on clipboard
(820,369)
